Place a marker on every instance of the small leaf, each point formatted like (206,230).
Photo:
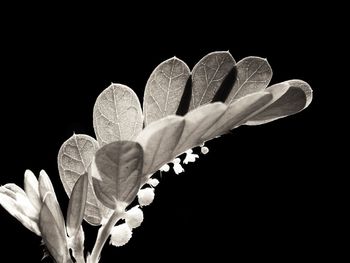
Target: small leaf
(237,113)
(74,159)
(52,233)
(158,141)
(253,75)
(46,189)
(18,210)
(289,97)
(164,89)
(208,75)
(31,187)
(117,114)
(197,122)
(76,206)
(119,171)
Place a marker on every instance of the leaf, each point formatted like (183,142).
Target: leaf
(197,122)
(22,211)
(76,205)
(289,97)
(158,141)
(52,233)
(74,159)
(31,188)
(117,114)
(46,189)
(208,75)
(164,89)
(237,113)
(253,75)
(119,166)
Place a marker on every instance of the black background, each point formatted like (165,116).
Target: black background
(254,196)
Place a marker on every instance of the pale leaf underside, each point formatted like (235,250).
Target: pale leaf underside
(52,233)
(74,159)
(253,75)
(164,89)
(117,115)
(207,76)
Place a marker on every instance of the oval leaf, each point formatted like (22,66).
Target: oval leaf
(197,122)
(158,141)
(117,114)
(237,113)
(164,89)
(253,75)
(119,172)
(208,75)
(74,159)
(290,97)
(46,189)
(31,188)
(52,233)
(76,205)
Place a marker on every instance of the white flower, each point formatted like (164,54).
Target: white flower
(165,168)
(177,166)
(153,182)
(190,157)
(145,196)
(134,217)
(204,150)
(120,235)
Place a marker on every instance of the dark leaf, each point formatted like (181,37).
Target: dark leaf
(117,173)
(76,205)
(289,97)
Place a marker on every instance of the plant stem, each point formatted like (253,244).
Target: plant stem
(103,234)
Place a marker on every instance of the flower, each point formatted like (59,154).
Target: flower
(145,196)
(153,182)
(134,217)
(120,235)
(190,157)
(165,168)
(177,166)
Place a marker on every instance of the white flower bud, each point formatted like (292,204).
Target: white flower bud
(134,217)
(190,157)
(177,166)
(204,150)
(145,196)
(120,235)
(153,182)
(165,168)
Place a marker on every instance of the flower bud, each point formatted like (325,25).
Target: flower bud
(120,235)
(134,217)
(145,196)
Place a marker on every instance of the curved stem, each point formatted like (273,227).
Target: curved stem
(102,236)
